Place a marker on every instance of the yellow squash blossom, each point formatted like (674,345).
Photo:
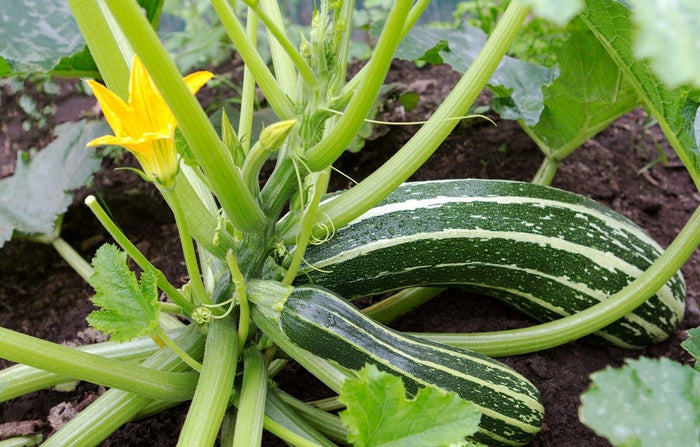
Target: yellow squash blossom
(144,125)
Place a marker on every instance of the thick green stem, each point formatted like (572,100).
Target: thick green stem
(400,303)
(251,407)
(210,152)
(73,258)
(351,204)
(201,212)
(545,173)
(580,324)
(22,441)
(277,98)
(325,422)
(242,295)
(111,58)
(214,387)
(116,407)
(288,435)
(281,61)
(283,414)
(287,47)
(320,188)
(326,151)
(23,379)
(349,89)
(59,359)
(346,13)
(188,250)
(245,121)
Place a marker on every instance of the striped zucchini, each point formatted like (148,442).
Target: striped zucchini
(326,325)
(547,252)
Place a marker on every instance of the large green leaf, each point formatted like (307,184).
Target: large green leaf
(669,36)
(128,309)
(36,34)
(517,83)
(646,403)
(40,189)
(589,94)
(675,109)
(378,413)
(42,36)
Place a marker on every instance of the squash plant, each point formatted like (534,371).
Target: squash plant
(272,266)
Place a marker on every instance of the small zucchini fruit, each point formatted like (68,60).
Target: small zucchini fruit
(319,321)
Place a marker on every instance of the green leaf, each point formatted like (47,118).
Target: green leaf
(80,64)
(589,94)
(378,413)
(669,36)
(36,34)
(646,403)
(128,309)
(517,83)
(675,109)
(556,11)
(39,191)
(692,344)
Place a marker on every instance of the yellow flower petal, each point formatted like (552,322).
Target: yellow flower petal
(145,125)
(144,98)
(113,107)
(196,80)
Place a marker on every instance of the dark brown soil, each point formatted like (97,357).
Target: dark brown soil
(40,295)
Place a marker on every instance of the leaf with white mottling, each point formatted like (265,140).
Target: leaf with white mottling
(518,84)
(36,34)
(646,403)
(40,189)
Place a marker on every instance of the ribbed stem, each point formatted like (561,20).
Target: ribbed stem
(251,407)
(116,407)
(111,59)
(188,251)
(400,303)
(59,359)
(23,379)
(214,387)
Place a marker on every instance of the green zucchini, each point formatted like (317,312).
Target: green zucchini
(547,252)
(321,322)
